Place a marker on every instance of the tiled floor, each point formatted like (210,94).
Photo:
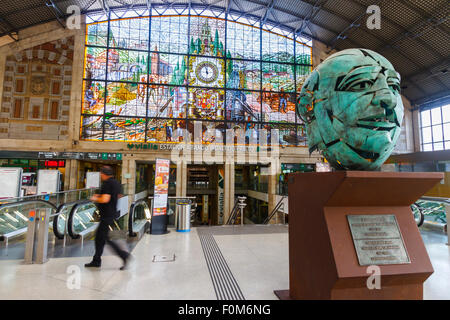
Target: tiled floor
(257,257)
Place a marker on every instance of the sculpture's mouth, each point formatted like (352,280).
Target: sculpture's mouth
(377,123)
(370,156)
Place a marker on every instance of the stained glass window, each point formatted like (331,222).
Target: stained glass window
(243,74)
(130,33)
(277,48)
(207,36)
(278,77)
(92,128)
(243,105)
(124,129)
(168,34)
(243,41)
(93,97)
(153,79)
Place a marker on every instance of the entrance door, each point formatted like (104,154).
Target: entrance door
(202,182)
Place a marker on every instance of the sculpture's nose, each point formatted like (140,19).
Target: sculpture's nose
(385,99)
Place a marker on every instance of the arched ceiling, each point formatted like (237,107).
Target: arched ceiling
(414,34)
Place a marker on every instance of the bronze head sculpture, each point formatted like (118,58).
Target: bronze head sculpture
(352,109)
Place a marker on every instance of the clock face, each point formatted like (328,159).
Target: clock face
(206,72)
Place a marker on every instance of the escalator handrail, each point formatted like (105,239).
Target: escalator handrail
(56,217)
(131,233)
(70,219)
(46,194)
(436,199)
(13,204)
(233,213)
(275,209)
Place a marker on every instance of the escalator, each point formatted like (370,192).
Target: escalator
(139,218)
(14,217)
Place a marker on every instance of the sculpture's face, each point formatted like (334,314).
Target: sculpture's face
(352,109)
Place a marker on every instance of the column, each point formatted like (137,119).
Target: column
(129,177)
(181,179)
(71,178)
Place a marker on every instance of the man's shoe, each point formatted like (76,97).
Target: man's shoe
(93,264)
(126,262)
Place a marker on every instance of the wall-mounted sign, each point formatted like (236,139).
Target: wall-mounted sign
(92,179)
(142,146)
(48,181)
(10,182)
(80,155)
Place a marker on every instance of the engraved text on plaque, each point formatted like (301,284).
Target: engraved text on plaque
(377,239)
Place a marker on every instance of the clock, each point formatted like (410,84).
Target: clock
(207,72)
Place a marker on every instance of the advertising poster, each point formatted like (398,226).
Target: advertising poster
(220,195)
(161,187)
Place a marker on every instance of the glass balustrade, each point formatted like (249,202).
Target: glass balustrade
(14,216)
(82,219)
(139,215)
(433,211)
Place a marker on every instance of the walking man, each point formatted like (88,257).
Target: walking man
(106,202)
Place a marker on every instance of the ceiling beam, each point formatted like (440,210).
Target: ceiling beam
(406,33)
(383,42)
(353,25)
(268,10)
(391,45)
(12,30)
(441,65)
(306,22)
(56,11)
(424,14)
(444,96)
(229,2)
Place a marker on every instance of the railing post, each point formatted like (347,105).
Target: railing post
(42,235)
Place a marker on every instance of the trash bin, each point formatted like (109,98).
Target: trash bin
(183,216)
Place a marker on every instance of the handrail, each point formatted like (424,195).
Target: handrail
(13,204)
(233,212)
(277,207)
(47,194)
(131,233)
(58,213)
(436,199)
(70,219)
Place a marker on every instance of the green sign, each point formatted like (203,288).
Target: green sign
(142,146)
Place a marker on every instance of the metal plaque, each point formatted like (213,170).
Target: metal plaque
(377,239)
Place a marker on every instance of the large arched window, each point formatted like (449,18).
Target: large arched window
(149,78)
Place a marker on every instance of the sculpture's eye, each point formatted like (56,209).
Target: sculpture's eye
(395,88)
(358,85)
